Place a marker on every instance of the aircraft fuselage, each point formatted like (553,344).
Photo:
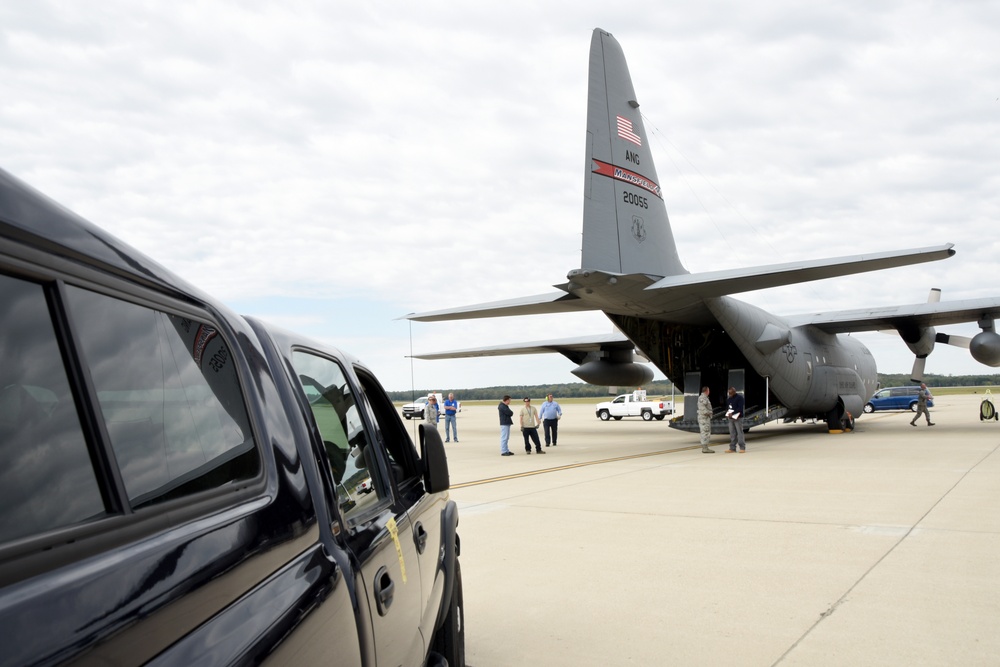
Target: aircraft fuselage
(801,371)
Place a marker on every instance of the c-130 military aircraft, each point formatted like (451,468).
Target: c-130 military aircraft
(687,324)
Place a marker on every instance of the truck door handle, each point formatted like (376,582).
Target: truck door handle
(384,589)
(420,537)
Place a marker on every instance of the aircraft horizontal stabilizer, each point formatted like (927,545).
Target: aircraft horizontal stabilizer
(579,347)
(608,359)
(890,317)
(540,304)
(734,281)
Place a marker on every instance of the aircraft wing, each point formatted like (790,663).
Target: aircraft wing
(554,302)
(734,281)
(575,349)
(888,317)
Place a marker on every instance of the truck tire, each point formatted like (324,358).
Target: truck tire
(618,419)
(449,641)
(604,415)
(659,418)
(647,415)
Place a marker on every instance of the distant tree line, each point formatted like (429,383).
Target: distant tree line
(899,380)
(565,390)
(583,390)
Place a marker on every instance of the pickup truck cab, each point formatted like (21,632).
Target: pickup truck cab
(626,405)
(178,483)
(415,410)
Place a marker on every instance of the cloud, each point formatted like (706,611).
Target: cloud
(387,159)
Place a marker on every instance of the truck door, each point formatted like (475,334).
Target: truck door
(375,528)
(634,408)
(424,510)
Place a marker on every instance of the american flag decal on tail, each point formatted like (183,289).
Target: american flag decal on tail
(626,132)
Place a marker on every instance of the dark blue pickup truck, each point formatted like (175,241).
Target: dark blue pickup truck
(179,484)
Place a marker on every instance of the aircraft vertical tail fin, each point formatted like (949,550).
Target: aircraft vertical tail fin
(625,224)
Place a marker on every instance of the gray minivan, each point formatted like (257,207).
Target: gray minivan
(895,398)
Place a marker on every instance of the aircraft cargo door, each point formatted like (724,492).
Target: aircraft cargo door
(692,388)
(737,379)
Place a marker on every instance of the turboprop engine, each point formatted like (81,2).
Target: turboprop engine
(613,365)
(613,373)
(985,348)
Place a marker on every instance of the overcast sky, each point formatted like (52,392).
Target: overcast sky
(330,167)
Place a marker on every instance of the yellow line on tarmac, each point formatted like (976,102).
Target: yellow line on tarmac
(529,473)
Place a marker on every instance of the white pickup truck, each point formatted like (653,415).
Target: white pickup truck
(415,410)
(627,406)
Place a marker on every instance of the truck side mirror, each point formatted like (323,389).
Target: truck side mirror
(435,461)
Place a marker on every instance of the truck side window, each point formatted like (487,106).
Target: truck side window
(398,446)
(170,397)
(335,409)
(47,480)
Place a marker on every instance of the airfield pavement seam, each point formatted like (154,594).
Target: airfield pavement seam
(571,466)
(568,466)
(833,607)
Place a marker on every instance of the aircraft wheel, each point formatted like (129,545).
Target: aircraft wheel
(647,416)
(869,408)
(604,415)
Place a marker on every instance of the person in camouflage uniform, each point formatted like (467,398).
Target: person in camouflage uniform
(922,396)
(705,420)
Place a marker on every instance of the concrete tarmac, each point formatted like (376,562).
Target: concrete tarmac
(625,545)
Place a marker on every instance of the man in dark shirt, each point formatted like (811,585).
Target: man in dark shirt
(734,417)
(506,421)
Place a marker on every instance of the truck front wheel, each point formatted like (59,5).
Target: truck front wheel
(449,641)
(604,415)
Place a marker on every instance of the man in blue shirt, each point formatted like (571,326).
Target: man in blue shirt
(550,413)
(450,415)
(734,417)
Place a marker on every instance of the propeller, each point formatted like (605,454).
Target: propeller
(928,337)
(957,341)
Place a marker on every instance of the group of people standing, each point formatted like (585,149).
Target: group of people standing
(734,418)
(529,420)
(432,415)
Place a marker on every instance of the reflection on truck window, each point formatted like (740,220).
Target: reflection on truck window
(335,410)
(170,397)
(47,480)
